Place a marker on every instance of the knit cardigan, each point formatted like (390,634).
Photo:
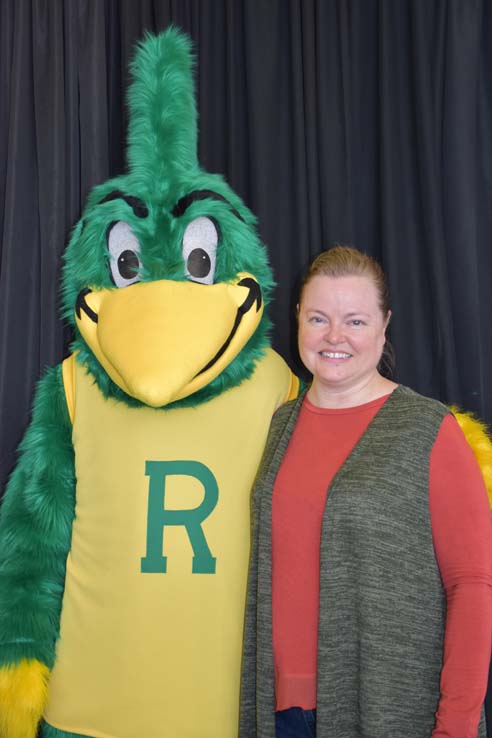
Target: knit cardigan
(382,603)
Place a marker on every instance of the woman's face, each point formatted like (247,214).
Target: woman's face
(341,331)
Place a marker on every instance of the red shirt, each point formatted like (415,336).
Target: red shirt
(462,535)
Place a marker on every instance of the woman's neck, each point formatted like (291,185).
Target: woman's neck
(329,396)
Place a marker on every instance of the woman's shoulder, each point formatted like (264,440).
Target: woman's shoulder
(288,409)
(406,395)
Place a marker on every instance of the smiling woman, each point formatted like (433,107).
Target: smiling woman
(364,487)
(343,316)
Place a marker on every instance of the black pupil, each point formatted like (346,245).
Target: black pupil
(128,264)
(198,263)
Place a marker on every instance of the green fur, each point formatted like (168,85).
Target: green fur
(35,530)
(163,168)
(162,137)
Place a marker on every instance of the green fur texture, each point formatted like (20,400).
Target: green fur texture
(35,530)
(162,135)
(163,167)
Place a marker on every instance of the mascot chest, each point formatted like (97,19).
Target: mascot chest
(156,575)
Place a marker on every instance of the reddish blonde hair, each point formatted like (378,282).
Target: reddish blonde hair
(345,261)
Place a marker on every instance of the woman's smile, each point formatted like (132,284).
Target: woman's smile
(341,334)
(334,355)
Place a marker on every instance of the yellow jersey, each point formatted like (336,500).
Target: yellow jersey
(152,618)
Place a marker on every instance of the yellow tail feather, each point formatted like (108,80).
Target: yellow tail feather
(23,690)
(481,444)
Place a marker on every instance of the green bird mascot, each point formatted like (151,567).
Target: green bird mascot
(124,532)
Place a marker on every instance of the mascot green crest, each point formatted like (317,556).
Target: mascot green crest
(148,243)
(124,531)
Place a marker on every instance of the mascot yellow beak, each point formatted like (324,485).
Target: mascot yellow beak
(162,341)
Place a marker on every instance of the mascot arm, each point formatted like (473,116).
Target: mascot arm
(35,531)
(476,434)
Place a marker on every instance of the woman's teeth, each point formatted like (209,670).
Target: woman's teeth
(335,355)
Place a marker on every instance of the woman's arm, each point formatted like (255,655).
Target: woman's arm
(462,533)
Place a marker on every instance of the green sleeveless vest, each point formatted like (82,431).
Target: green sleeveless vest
(382,604)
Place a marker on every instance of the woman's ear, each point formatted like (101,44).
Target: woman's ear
(387,322)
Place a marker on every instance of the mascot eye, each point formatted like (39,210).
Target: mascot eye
(124,254)
(199,249)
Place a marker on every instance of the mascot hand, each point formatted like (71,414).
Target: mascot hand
(23,689)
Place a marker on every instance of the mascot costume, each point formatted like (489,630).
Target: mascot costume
(125,527)
(124,532)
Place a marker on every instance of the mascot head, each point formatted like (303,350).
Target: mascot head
(165,280)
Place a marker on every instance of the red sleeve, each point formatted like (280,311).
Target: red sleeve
(462,533)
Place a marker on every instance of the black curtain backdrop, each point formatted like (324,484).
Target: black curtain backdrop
(355,121)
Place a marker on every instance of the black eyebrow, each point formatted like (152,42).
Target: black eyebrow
(184,202)
(138,206)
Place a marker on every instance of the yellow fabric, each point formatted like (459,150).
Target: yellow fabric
(68,369)
(481,444)
(157,655)
(155,338)
(22,698)
(293,389)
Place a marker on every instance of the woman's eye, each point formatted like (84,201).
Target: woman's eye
(200,241)
(356,322)
(124,254)
(315,320)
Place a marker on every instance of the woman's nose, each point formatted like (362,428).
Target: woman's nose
(333,334)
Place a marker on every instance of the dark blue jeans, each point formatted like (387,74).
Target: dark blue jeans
(295,723)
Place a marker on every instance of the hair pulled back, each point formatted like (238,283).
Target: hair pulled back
(346,261)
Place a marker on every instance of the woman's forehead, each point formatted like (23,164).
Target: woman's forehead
(350,288)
